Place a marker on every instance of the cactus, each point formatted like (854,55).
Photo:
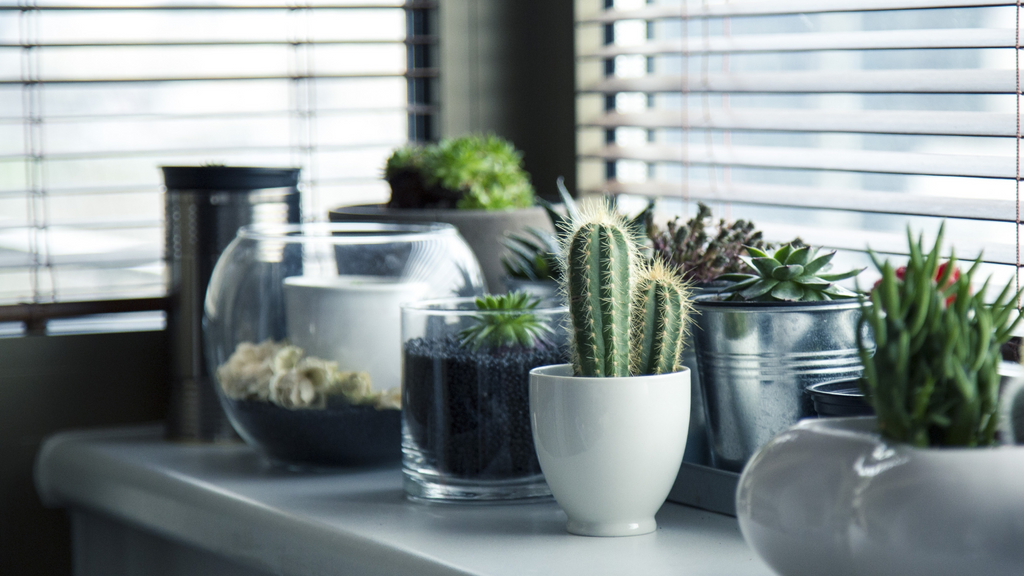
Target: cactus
(599,257)
(789,274)
(933,379)
(661,310)
(627,318)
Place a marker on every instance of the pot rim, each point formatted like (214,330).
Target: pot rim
(864,428)
(564,372)
(710,302)
(343,233)
(384,210)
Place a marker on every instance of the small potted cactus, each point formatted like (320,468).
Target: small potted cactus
(777,329)
(465,372)
(610,428)
(922,488)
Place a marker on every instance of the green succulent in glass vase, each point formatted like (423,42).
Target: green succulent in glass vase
(505,321)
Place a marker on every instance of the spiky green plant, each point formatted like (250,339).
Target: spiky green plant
(599,260)
(660,311)
(531,256)
(933,379)
(702,250)
(626,317)
(507,321)
(789,274)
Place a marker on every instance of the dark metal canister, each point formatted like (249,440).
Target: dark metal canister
(205,207)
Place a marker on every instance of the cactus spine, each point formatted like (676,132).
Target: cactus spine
(618,328)
(599,260)
(660,310)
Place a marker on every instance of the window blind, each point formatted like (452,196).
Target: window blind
(95,95)
(838,121)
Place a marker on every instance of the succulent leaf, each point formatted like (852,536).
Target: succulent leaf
(790,291)
(787,272)
(799,256)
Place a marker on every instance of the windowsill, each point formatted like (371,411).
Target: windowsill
(226,501)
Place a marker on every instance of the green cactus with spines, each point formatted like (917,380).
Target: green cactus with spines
(933,378)
(661,311)
(627,317)
(600,256)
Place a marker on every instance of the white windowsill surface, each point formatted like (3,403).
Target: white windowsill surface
(225,502)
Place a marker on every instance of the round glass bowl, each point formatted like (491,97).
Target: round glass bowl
(302,332)
(465,399)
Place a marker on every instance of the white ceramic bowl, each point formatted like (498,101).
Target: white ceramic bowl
(610,448)
(831,497)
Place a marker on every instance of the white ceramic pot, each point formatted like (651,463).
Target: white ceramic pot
(610,448)
(831,497)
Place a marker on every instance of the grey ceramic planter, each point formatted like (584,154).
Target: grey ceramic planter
(483,230)
(756,358)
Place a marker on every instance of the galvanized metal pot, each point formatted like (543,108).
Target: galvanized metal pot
(755,360)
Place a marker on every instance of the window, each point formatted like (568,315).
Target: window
(838,121)
(96,95)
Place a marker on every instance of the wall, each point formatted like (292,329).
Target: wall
(507,67)
(51,383)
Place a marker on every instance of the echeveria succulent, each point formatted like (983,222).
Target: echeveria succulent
(788,274)
(505,321)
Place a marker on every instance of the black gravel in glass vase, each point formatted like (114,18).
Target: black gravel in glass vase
(465,399)
(471,408)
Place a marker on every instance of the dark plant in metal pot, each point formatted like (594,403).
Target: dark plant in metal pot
(701,250)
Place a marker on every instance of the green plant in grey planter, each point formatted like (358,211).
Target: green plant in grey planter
(475,182)
(777,330)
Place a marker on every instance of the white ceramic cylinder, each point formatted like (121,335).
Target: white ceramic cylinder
(352,320)
(610,448)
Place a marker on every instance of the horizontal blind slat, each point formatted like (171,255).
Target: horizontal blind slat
(777,7)
(883,242)
(862,201)
(413,40)
(224,6)
(874,40)
(948,81)
(815,159)
(868,121)
(417,73)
